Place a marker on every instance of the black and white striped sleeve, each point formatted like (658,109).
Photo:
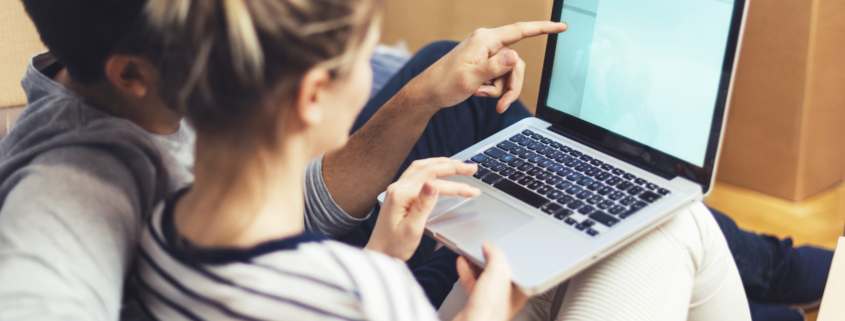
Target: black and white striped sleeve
(322,214)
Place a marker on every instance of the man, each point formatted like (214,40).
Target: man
(96,147)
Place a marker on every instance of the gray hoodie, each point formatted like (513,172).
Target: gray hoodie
(75,184)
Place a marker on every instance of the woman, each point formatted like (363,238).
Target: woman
(271,84)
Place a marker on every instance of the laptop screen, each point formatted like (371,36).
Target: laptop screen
(648,70)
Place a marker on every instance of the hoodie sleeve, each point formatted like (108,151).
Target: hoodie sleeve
(322,214)
(68,229)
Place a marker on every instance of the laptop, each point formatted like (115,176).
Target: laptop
(629,121)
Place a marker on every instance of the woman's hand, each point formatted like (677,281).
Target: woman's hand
(409,200)
(482,65)
(492,296)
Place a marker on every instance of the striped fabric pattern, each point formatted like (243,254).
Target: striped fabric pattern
(310,280)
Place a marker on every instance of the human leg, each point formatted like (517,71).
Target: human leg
(772,270)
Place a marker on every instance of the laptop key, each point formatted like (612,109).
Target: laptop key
(596,162)
(481,172)
(521,193)
(552,208)
(555,145)
(525,167)
(576,153)
(595,186)
(543,190)
(605,190)
(479,158)
(640,181)
(508,171)
(563,214)
(506,145)
(545,162)
(624,186)
(581,227)
(629,176)
(613,181)
(489,162)
(518,150)
(566,199)
(491,178)
(607,167)
(546,141)
(516,162)
(517,137)
(616,195)
(651,186)
(586,209)
(575,189)
(527,154)
(630,212)
(543,176)
(537,136)
(616,209)
(564,172)
(533,185)
(553,154)
(569,221)
(584,194)
(618,172)
(592,232)
(595,199)
(635,190)
(498,167)
(627,201)
(534,145)
(527,141)
(566,149)
(563,185)
(584,181)
(526,180)
(495,152)
(507,158)
(663,191)
(582,167)
(534,171)
(563,158)
(586,158)
(649,197)
(543,150)
(605,205)
(536,158)
(575,205)
(604,218)
(592,171)
(554,194)
(555,167)
(516,176)
(602,176)
(574,176)
(527,132)
(554,180)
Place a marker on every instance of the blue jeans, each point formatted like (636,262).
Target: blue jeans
(765,263)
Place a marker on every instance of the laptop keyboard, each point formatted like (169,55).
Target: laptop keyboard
(573,187)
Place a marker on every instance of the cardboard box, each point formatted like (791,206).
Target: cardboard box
(422,22)
(833,307)
(785,128)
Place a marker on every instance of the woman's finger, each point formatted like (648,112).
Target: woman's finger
(450,188)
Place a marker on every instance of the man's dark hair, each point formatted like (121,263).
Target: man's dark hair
(83,34)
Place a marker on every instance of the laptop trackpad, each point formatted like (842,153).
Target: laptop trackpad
(477,220)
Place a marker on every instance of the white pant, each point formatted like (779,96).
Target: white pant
(683,270)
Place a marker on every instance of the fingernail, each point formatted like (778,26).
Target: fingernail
(509,59)
(482,95)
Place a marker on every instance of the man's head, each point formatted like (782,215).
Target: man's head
(105,48)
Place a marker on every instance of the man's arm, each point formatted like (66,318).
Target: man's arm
(481,65)
(68,228)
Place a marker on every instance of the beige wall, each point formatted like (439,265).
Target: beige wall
(18,42)
(422,22)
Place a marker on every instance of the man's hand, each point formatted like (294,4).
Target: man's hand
(482,65)
(492,296)
(401,222)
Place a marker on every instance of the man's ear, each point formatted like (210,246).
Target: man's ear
(311,98)
(131,74)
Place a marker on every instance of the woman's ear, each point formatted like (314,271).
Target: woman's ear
(132,75)
(312,97)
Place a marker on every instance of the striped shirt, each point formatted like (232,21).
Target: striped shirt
(305,277)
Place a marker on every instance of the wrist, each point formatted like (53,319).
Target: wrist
(418,94)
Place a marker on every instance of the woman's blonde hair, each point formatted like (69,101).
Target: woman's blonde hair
(221,59)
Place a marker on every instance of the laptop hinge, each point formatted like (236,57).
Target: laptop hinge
(632,160)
